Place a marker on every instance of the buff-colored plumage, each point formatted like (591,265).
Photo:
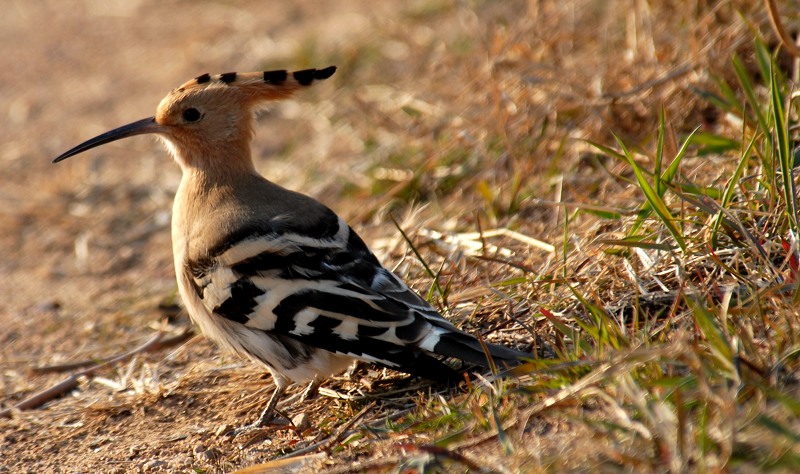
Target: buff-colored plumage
(272,274)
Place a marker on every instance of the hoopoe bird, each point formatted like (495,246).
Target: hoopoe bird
(275,275)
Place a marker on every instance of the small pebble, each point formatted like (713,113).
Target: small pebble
(155,464)
(223,430)
(199,448)
(177,464)
(301,421)
(211,455)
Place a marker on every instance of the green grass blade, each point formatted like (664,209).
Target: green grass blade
(778,428)
(607,150)
(785,158)
(662,130)
(635,242)
(713,144)
(658,205)
(708,325)
(726,100)
(749,91)
(730,188)
(567,331)
(673,167)
(434,276)
(606,330)
(766,61)
(505,442)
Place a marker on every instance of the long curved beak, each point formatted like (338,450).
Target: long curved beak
(148,125)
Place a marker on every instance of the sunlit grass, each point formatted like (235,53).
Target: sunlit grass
(696,367)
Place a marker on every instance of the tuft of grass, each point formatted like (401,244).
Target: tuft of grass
(692,366)
(728,313)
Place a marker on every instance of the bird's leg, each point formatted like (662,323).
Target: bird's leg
(269,411)
(310,391)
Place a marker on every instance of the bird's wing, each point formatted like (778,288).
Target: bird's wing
(323,287)
(319,284)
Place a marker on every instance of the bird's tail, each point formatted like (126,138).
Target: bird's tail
(469,349)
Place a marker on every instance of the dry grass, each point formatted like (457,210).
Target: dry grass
(663,318)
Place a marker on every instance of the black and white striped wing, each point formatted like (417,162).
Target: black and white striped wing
(322,287)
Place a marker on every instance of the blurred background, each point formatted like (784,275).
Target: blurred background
(464,103)
(452,115)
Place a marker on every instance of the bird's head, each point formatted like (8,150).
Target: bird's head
(211,116)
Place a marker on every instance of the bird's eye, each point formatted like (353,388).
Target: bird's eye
(191,115)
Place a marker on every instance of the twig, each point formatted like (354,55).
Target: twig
(344,432)
(518,266)
(298,464)
(651,84)
(446,453)
(780,31)
(370,465)
(68,366)
(327,443)
(155,343)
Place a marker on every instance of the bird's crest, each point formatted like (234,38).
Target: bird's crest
(266,85)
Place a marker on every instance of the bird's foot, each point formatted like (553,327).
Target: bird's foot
(310,392)
(270,421)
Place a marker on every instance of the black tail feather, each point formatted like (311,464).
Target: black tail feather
(469,349)
(431,368)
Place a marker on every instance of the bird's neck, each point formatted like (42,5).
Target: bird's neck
(207,202)
(215,166)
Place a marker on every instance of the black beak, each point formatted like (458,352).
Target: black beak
(148,125)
